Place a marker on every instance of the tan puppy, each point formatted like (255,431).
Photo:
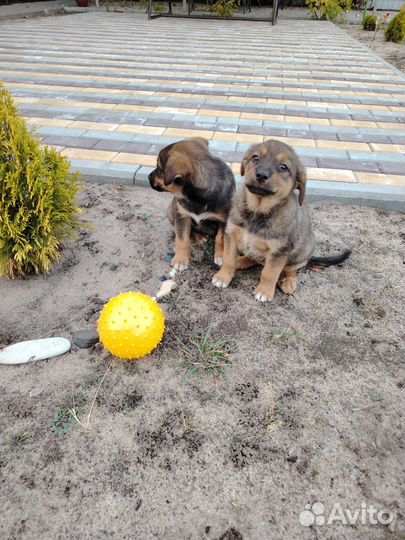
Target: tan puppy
(268,223)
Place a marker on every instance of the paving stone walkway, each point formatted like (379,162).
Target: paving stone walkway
(109,90)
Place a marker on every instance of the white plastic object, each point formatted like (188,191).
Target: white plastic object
(35,349)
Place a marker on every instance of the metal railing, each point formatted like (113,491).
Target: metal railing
(193,13)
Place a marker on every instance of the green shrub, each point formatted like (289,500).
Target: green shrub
(224,8)
(328,9)
(36,197)
(395,31)
(369,22)
(159,8)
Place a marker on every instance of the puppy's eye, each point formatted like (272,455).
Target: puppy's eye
(283,167)
(255,158)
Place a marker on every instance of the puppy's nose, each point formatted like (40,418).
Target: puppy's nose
(261,176)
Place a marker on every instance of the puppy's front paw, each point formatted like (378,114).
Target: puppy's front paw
(179,264)
(219,261)
(221,279)
(263,294)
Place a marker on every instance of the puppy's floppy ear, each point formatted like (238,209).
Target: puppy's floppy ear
(242,166)
(301,181)
(178,166)
(247,157)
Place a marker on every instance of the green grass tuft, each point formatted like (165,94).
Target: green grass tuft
(62,421)
(205,354)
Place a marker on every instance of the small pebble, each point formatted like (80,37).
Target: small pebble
(35,392)
(85,338)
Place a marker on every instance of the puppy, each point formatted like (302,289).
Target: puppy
(269,224)
(202,186)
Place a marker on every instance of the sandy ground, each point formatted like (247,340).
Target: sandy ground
(310,408)
(394,53)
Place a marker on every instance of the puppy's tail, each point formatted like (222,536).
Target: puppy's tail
(329,261)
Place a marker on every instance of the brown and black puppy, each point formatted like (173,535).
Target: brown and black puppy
(269,224)
(202,186)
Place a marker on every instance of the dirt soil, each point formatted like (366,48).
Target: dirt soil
(310,408)
(394,53)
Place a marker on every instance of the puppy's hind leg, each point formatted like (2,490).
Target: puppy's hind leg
(243,263)
(288,278)
(199,239)
(219,245)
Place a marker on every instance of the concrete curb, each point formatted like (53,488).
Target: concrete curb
(30,9)
(39,13)
(384,197)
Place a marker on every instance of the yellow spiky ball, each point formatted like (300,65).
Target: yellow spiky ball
(131,325)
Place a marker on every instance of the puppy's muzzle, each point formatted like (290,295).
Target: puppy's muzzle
(262,176)
(258,187)
(152,181)
(257,190)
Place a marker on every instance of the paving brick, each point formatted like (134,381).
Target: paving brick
(181,133)
(324,135)
(377,156)
(168,123)
(89,117)
(223,145)
(211,120)
(331,175)
(298,134)
(382,179)
(309,161)
(94,155)
(230,128)
(344,145)
(321,152)
(136,159)
(348,165)
(202,125)
(392,168)
(48,122)
(72,142)
(237,137)
(395,139)
(44,130)
(111,135)
(355,137)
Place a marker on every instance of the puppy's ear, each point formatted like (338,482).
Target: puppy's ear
(178,166)
(247,157)
(242,166)
(301,182)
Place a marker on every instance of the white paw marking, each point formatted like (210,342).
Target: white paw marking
(180,267)
(219,261)
(219,284)
(261,297)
